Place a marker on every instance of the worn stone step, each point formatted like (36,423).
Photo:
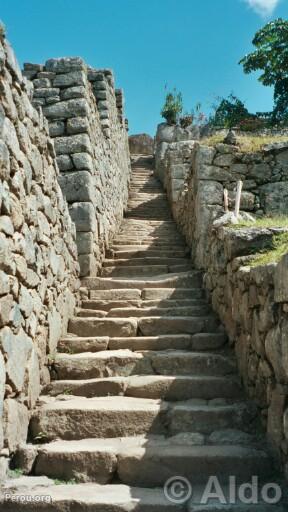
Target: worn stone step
(152,465)
(191,279)
(121,416)
(88,498)
(78,418)
(146,252)
(148,462)
(107,305)
(124,362)
(152,326)
(172,293)
(90,326)
(193,310)
(116,294)
(148,270)
(171,388)
(74,344)
(206,418)
(199,341)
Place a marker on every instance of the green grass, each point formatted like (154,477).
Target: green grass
(15,473)
(247,143)
(277,221)
(64,482)
(273,254)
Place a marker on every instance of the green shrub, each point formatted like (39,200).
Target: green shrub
(173,107)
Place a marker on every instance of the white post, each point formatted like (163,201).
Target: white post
(238,198)
(226,200)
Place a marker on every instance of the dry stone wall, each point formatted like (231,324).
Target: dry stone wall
(38,254)
(195,176)
(252,303)
(87,124)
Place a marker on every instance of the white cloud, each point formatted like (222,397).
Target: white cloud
(263,7)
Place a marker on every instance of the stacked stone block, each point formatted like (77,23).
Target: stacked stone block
(86,121)
(195,176)
(38,253)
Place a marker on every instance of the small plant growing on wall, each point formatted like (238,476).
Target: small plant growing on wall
(172,107)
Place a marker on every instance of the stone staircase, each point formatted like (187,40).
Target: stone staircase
(144,386)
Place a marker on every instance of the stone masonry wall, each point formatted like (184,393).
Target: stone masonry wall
(38,255)
(85,115)
(195,175)
(252,303)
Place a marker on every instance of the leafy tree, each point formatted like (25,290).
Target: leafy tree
(271,58)
(173,107)
(229,112)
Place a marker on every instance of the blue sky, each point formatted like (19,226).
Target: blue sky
(193,45)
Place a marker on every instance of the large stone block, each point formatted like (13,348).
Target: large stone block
(2,391)
(281,280)
(83,214)
(210,192)
(70,79)
(17,350)
(274,197)
(65,64)
(16,420)
(83,161)
(55,329)
(66,109)
(77,186)
(73,144)
(77,125)
(84,242)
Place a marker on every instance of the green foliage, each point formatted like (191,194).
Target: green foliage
(273,253)
(173,107)
(229,112)
(271,58)
(72,481)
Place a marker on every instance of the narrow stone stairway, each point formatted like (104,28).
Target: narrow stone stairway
(144,386)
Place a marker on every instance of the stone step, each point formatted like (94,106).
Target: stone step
(172,293)
(153,326)
(74,344)
(107,305)
(146,252)
(127,312)
(88,498)
(145,271)
(138,271)
(199,342)
(144,261)
(171,388)
(143,326)
(91,326)
(78,418)
(148,462)
(116,294)
(124,362)
(191,279)
(106,417)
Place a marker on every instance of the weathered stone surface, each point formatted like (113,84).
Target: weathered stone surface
(15,422)
(66,109)
(275,197)
(77,186)
(141,144)
(69,79)
(72,144)
(210,192)
(77,125)
(65,65)
(17,349)
(83,214)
